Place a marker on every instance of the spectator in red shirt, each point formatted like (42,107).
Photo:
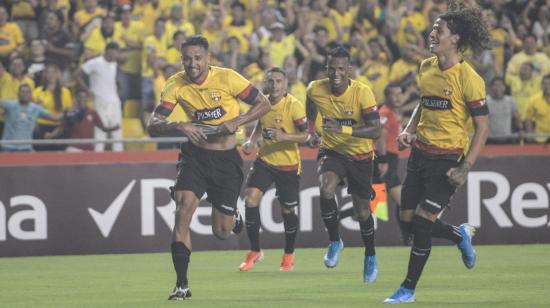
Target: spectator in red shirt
(387,160)
(80,123)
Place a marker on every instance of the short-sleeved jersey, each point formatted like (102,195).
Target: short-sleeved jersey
(448,99)
(212,102)
(349,109)
(400,69)
(390,121)
(286,114)
(82,17)
(47,100)
(151,44)
(134,34)
(10,38)
(538,111)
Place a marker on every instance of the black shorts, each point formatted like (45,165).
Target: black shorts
(426,184)
(391,178)
(287,183)
(358,173)
(218,173)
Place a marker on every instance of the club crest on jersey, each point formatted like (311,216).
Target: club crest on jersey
(278,119)
(215,96)
(209,114)
(447,91)
(435,103)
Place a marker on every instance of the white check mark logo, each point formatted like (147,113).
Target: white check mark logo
(106,220)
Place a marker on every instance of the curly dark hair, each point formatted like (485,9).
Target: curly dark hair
(469,25)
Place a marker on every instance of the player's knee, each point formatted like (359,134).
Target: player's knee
(328,191)
(362,213)
(221,232)
(421,211)
(253,197)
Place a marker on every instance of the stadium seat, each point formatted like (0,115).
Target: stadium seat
(132,128)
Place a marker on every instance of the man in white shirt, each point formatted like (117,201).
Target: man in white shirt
(101,72)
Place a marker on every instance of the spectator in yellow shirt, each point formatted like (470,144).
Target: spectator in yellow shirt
(11,38)
(368,14)
(540,61)
(412,22)
(99,38)
(296,85)
(538,113)
(56,98)
(16,77)
(177,23)
(377,69)
(406,67)
(239,25)
(279,44)
(523,86)
(152,58)
(129,34)
(339,20)
(173,53)
(88,18)
(212,27)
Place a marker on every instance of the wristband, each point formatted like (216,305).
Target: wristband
(347,130)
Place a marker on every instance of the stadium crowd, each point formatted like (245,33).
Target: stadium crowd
(48,45)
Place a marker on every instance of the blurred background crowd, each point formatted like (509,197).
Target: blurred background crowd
(102,64)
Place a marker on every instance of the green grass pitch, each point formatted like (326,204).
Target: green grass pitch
(505,276)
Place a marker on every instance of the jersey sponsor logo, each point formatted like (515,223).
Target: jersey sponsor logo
(436,103)
(345,122)
(209,114)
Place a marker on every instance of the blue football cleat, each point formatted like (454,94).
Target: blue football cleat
(468,252)
(333,253)
(370,269)
(401,296)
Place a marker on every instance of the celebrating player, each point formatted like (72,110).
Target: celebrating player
(452,93)
(350,123)
(210,164)
(278,162)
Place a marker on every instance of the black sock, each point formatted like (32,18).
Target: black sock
(420,251)
(406,226)
(329,211)
(253,222)
(367,235)
(442,229)
(291,228)
(180,258)
(406,231)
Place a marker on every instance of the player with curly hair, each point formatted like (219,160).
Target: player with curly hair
(452,96)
